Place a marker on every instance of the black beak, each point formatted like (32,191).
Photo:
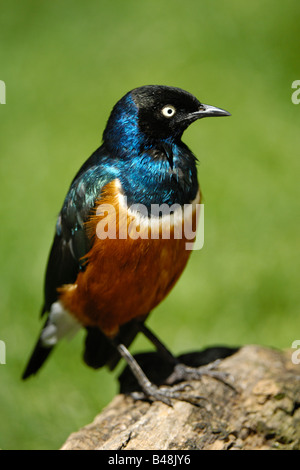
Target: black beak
(206,110)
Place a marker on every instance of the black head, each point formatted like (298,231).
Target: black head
(152,113)
(167,111)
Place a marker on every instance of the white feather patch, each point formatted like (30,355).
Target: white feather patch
(61,323)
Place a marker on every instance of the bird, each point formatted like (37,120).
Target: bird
(109,265)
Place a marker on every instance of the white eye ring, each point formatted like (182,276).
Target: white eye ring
(168,111)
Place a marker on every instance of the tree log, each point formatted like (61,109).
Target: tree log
(261,412)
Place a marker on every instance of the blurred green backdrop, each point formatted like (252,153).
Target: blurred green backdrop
(65,64)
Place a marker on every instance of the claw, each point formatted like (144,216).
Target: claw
(166,394)
(183,372)
(154,396)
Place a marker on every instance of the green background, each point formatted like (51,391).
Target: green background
(65,64)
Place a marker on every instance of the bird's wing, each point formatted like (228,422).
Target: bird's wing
(71,241)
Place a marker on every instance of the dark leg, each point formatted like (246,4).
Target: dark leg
(150,390)
(161,348)
(182,371)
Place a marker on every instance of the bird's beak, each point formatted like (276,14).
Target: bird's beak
(206,110)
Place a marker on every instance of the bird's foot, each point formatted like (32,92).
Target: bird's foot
(165,394)
(183,372)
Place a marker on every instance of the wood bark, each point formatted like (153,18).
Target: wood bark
(263,412)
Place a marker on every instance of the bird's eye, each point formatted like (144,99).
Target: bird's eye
(168,111)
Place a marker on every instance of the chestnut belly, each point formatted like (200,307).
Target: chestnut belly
(125,278)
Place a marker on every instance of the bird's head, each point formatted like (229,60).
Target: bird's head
(153,113)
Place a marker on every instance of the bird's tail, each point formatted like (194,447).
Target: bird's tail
(38,356)
(37,359)
(58,324)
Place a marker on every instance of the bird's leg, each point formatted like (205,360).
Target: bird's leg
(161,348)
(149,390)
(182,371)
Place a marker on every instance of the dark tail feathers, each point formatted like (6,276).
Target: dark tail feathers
(38,357)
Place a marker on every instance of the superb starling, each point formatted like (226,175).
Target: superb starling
(109,264)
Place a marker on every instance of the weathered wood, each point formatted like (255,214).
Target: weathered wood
(263,413)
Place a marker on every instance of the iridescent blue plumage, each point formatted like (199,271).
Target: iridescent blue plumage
(153,169)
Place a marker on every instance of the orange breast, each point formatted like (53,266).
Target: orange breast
(126,276)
